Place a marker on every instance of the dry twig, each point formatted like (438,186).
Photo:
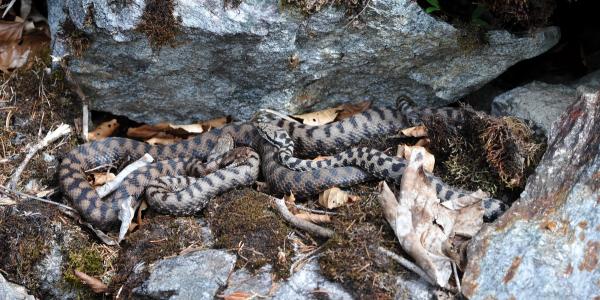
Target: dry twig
(112,185)
(300,223)
(63,129)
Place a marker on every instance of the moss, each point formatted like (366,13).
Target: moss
(351,256)
(87,260)
(77,39)
(353,7)
(159,25)
(242,220)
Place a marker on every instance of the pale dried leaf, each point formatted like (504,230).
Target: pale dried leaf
(321,158)
(289,198)
(335,197)
(315,218)
(102,178)
(191,128)
(95,284)
(214,123)
(417,131)
(405,151)
(238,295)
(103,130)
(318,117)
(44,193)
(5,201)
(163,140)
(13,55)
(347,110)
(423,142)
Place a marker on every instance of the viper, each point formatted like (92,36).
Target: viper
(174,159)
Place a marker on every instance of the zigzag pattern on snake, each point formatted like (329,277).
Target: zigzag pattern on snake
(309,140)
(375,162)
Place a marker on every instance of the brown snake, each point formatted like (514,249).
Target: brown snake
(173,159)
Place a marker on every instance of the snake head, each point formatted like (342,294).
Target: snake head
(277,136)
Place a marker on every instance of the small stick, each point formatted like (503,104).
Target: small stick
(299,223)
(281,115)
(31,197)
(63,129)
(112,185)
(316,211)
(85,120)
(407,264)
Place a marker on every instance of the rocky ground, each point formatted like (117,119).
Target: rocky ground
(546,245)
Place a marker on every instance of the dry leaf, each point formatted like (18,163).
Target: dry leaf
(214,123)
(289,198)
(347,110)
(163,140)
(103,130)
(143,206)
(321,158)
(335,197)
(417,131)
(16,53)
(318,117)
(314,218)
(11,31)
(102,178)
(7,201)
(191,128)
(95,284)
(405,151)
(147,131)
(423,142)
(237,295)
(423,225)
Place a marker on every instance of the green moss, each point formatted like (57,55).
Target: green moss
(242,220)
(87,260)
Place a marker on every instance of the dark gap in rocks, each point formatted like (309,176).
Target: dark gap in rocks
(576,54)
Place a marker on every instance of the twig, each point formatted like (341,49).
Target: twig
(8,7)
(63,129)
(112,185)
(281,115)
(299,223)
(85,119)
(456,277)
(407,264)
(316,211)
(31,197)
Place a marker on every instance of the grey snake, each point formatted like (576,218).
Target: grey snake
(174,161)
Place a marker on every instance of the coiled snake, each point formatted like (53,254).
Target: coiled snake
(173,161)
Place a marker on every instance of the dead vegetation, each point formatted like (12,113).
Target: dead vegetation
(353,7)
(159,25)
(242,221)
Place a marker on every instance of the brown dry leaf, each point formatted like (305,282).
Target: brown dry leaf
(214,123)
(318,117)
(314,218)
(143,206)
(147,131)
(190,128)
(102,178)
(103,130)
(237,295)
(11,31)
(335,197)
(15,54)
(423,143)
(417,131)
(166,140)
(347,110)
(95,284)
(405,151)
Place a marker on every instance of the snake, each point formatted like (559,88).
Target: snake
(373,161)
(174,159)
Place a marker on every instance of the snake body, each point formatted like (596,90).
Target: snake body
(172,160)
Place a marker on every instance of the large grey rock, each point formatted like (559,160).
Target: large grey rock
(197,275)
(259,283)
(235,60)
(304,283)
(546,246)
(11,291)
(541,102)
